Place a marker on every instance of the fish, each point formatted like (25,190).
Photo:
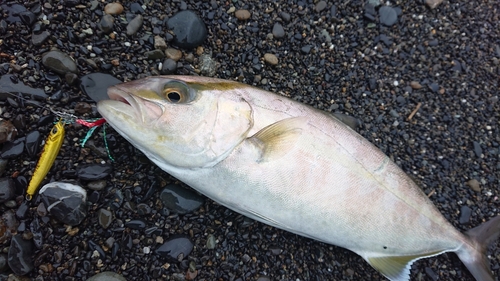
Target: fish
(290,166)
(49,153)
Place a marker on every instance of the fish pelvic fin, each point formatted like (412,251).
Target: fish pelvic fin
(397,268)
(473,254)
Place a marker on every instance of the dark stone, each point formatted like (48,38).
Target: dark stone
(22,210)
(105,218)
(95,85)
(388,16)
(27,17)
(154,54)
(477,149)
(306,49)
(465,213)
(7,189)
(136,224)
(94,171)
(180,200)
(189,30)
(59,62)
(33,140)
(134,25)
(12,149)
(176,249)
(19,256)
(7,85)
(278,31)
(169,66)
(106,23)
(65,201)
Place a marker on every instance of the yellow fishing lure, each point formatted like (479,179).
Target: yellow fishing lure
(50,150)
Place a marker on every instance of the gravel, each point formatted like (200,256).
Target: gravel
(423,82)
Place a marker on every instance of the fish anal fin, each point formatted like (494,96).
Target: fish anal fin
(396,268)
(277,139)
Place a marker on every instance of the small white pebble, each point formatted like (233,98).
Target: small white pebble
(89,47)
(396,83)
(146,250)
(127,44)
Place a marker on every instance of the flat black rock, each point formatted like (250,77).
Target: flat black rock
(94,171)
(176,249)
(180,200)
(189,30)
(95,85)
(19,256)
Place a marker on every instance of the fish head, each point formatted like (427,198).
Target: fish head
(180,121)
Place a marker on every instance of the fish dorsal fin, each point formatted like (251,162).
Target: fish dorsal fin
(277,139)
(397,268)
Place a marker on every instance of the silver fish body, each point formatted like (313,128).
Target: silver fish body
(290,166)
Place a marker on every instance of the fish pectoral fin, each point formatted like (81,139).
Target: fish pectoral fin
(396,268)
(278,139)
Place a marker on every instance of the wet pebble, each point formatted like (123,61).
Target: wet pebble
(180,200)
(174,54)
(136,224)
(242,14)
(388,16)
(106,23)
(477,149)
(208,66)
(93,172)
(154,54)
(211,242)
(189,30)
(176,248)
(474,185)
(271,59)
(95,85)
(7,85)
(7,189)
(12,149)
(107,276)
(320,6)
(113,8)
(433,3)
(105,218)
(134,25)
(278,31)
(65,201)
(434,87)
(159,43)
(59,62)
(39,38)
(169,66)
(465,213)
(8,131)
(19,256)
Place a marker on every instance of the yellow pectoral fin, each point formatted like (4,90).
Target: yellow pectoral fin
(397,268)
(277,139)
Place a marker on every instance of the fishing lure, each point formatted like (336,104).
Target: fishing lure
(50,150)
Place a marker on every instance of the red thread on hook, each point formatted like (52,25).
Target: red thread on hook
(96,123)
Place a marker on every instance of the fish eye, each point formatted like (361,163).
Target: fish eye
(176,92)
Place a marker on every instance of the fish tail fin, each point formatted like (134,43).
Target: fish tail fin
(473,254)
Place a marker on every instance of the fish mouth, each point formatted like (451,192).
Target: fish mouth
(134,106)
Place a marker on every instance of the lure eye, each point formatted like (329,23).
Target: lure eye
(177,92)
